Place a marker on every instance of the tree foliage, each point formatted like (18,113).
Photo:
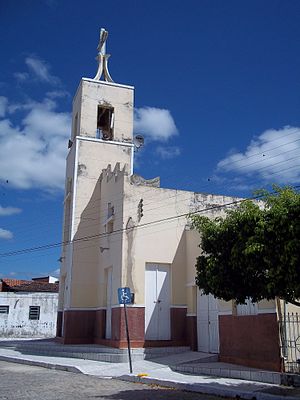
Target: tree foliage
(254,251)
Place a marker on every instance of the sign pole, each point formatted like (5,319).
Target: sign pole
(128,340)
(125,297)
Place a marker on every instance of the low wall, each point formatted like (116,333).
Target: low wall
(16,322)
(250,340)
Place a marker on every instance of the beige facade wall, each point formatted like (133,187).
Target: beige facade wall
(226,307)
(87,158)
(166,242)
(76,112)
(266,306)
(91,94)
(161,236)
(65,277)
(157,243)
(112,192)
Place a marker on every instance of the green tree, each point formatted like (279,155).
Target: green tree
(254,251)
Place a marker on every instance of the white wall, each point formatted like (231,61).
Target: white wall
(17,323)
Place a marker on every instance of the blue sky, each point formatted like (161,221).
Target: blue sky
(217,97)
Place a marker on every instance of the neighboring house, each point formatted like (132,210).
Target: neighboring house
(28,308)
(121,230)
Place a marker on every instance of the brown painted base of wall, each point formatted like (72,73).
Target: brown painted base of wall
(79,326)
(250,340)
(119,344)
(84,327)
(99,324)
(59,323)
(191,332)
(87,327)
(164,343)
(136,324)
(178,324)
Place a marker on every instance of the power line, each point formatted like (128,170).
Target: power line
(230,163)
(266,150)
(91,237)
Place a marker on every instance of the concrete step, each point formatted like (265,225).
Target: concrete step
(51,348)
(103,357)
(204,358)
(225,370)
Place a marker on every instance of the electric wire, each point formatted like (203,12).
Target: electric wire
(121,230)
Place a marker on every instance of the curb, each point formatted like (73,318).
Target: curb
(189,387)
(205,389)
(43,364)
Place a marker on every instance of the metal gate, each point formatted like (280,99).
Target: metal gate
(290,341)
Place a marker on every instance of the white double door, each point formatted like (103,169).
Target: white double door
(207,323)
(157,302)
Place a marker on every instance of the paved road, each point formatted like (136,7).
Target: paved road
(23,382)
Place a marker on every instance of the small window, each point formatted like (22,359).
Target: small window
(105,123)
(4,309)
(34,312)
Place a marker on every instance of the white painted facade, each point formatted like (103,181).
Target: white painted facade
(16,322)
(107,244)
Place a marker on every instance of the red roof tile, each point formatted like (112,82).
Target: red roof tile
(15,285)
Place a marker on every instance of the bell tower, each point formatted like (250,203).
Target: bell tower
(101,135)
(103,109)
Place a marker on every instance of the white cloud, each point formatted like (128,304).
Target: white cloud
(6,211)
(155,123)
(21,76)
(273,156)
(33,155)
(54,94)
(168,152)
(3,105)
(5,234)
(29,105)
(41,70)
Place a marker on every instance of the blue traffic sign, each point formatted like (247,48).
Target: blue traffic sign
(124,295)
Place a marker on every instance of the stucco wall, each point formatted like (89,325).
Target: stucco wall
(17,324)
(94,93)
(88,156)
(160,238)
(160,242)
(112,187)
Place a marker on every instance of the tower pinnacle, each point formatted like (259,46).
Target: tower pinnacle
(102,58)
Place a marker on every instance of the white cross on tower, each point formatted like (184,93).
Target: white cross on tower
(102,58)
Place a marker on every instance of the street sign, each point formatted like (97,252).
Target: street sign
(124,295)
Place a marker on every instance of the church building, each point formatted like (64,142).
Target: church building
(121,230)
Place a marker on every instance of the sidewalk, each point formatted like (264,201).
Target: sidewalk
(159,371)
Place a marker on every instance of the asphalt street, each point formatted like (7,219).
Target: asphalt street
(22,382)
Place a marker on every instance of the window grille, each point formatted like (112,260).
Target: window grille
(4,309)
(34,312)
